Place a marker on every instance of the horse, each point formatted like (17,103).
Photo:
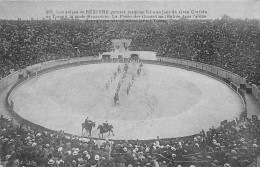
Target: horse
(103,130)
(88,127)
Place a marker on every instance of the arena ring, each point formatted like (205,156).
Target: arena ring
(74,62)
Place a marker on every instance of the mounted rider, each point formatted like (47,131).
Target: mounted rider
(105,125)
(87,121)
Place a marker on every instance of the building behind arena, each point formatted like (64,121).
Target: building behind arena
(121,51)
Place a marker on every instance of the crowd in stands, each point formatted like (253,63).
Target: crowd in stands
(225,146)
(229,44)
(232,44)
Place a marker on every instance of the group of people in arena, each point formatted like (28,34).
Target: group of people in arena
(88,121)
(126,68)
(123,78)
(131,82)
(22,145)
(111,80)
(232,44)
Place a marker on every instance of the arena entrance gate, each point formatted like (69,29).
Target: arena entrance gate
(105,57)
(135,57)
(120,58)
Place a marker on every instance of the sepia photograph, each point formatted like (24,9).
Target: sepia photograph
(127,83)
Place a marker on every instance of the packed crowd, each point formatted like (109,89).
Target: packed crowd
(218,147)
(231,44)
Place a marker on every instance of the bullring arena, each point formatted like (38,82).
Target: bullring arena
(165,92)
(164,101)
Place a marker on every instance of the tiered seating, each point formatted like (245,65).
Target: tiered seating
(23,146)
(230,44)
(233,45)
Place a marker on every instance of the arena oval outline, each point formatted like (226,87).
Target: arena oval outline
(66,63)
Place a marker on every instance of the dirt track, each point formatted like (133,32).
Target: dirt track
(163,101)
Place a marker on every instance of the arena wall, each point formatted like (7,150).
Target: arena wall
(235,81)
(209,70)
(143,55)
(21,76)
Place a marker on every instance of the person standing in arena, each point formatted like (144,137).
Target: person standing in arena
(128,89)
(119,69)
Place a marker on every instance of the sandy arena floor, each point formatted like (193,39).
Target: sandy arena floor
(163,101)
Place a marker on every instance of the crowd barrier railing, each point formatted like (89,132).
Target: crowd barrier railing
(12,78)
(225,75)
(213,71)
(233,80)
(30,72)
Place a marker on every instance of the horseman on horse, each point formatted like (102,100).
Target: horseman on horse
(88,125)
(105,125)
(87,121)
(104,128)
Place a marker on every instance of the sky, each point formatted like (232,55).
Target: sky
(215,9)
